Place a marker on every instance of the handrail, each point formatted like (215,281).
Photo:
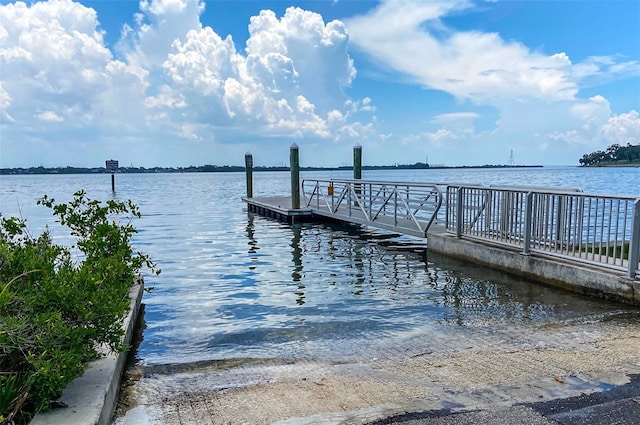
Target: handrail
(400,206)
(538,189)
(597,229)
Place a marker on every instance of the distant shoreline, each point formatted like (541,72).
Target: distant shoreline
(233,168)
(612,165)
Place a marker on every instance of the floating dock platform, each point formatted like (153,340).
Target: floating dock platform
(278,207)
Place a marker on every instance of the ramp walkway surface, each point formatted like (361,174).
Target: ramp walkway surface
(578,372)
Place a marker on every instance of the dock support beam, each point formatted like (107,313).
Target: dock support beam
(248,165)
(294,162)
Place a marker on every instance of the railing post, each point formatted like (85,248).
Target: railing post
(408,215)
(294,162)
(459,213)
(528,223)
(559,238)
(332,202)
(395,205)
(505,213)
(634,248)
(348,185)
(447,208)
(370,200)
(248,165)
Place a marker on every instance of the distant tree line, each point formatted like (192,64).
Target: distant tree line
(192,169)
(614,154)
(230,168)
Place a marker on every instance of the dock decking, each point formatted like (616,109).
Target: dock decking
(278,207)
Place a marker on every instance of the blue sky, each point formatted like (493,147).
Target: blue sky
(189,82)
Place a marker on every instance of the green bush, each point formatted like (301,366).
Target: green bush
(57,311)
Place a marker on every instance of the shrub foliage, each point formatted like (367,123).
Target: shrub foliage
(614,154)
(56,311)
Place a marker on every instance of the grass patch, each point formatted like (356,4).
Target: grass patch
(619,251)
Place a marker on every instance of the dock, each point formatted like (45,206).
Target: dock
(586,243)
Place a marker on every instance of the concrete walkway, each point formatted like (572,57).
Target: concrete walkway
(478,374)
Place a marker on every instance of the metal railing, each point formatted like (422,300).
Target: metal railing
(409,208)
(589,228)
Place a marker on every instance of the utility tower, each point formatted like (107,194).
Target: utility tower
(512,161)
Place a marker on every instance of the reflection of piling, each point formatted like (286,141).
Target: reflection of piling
(294,162)
(296,274)
(248,164)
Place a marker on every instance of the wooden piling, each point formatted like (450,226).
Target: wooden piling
(248,164)
(357,168)
(113,182)
(294,163)
(357,162)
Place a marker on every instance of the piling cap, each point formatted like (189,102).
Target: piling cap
(294,146)
(247,154)
(357,146)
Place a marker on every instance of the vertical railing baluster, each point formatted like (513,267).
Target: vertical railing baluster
(528,223)
(559,216)
(459,213)
(634,248)
(625,249)
(395,205)
(370,200)
(608,245)
(349,198)
(604,201)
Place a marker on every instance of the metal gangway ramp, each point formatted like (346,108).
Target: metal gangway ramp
(403,207)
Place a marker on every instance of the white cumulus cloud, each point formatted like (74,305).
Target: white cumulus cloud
(536,95)
(622,128)
(158,24)
(56,67)
(173,84)
(410,38)
(289,80)
(49,116)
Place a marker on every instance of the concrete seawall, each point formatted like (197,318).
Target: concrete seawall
(576,277)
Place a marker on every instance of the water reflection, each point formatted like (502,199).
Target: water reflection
(238,285)
(390,282)
(253,243)
(250,233)
(296,252)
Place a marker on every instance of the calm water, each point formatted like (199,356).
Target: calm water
(238,285)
